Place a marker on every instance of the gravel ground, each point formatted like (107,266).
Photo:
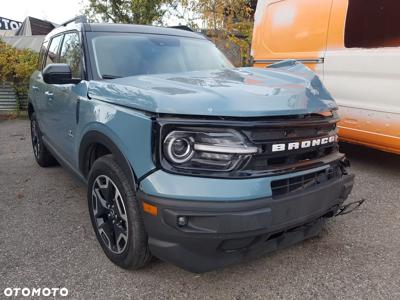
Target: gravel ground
(46,240)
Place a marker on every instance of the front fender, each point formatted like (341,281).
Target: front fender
(125,132)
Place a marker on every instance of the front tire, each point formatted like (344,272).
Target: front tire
(42,155)
(116,216)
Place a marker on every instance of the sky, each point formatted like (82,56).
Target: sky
(56,11)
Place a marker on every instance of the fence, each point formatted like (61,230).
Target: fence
(9,99)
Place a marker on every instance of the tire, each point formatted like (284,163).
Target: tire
(116,216)
(42,155)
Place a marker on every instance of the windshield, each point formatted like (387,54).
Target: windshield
(122,55)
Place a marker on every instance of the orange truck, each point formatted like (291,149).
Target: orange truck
(353,45)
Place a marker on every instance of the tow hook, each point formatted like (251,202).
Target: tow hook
(349,207)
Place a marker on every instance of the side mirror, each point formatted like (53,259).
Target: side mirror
(58,74)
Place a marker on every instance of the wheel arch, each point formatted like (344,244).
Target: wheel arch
(31,109)
(95,140)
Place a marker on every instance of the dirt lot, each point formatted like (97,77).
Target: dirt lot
(46,240)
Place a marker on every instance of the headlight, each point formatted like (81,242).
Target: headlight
(178,148)
(206,149)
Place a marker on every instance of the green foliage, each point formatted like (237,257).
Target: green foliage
(128,11)
(226,20)
(17,66)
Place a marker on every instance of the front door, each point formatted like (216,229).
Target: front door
(65,108)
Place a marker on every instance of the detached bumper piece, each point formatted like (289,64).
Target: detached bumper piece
(202,236)
(349,207)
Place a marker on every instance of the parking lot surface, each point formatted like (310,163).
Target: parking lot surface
(46,240)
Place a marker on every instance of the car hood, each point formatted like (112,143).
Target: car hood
(243,92)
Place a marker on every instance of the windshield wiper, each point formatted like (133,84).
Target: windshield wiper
(107,76)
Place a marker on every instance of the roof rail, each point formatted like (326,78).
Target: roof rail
(182,27)
(78,19)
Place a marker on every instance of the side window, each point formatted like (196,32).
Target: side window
(42,55)
(71,53)
(52,54)
(372,24)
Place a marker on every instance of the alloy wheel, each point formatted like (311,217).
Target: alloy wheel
(35,138)
(109,213)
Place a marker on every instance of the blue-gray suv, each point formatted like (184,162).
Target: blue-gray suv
(186,157)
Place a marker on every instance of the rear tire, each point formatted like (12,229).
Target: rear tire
(116,216)
(42,155)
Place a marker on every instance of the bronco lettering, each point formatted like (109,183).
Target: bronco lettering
(304,144)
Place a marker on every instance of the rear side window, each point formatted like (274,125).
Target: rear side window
(71,53)
(373,24)
(53,53)
(42,54)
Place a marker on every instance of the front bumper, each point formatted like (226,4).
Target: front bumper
(219,233)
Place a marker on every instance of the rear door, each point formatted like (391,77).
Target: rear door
(363,72)
(46,91)
(36,94)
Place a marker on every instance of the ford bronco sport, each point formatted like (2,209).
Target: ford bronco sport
(184,156)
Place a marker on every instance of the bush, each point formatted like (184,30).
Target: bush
(16,66)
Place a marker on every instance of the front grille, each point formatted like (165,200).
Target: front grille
(262,162)
(285,132)
(298,183)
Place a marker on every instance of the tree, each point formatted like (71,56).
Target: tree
(128,11)
(17,66)
(226,20)
(229,21)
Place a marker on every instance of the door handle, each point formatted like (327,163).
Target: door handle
(49,95)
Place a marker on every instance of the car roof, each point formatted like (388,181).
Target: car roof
(125,28)
(104,27)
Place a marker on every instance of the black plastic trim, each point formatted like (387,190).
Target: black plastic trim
(273,122)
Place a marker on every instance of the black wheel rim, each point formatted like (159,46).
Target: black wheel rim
(35,138)
(110,216)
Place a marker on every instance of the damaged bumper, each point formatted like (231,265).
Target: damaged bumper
(200,236)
